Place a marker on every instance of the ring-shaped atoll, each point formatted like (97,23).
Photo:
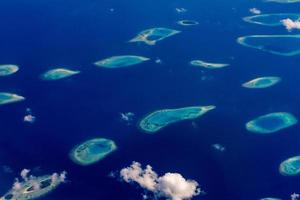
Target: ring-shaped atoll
(187,22)
(153,35)
(28,189)
(271,123)
(8,69)
(274,19)
(208,65)
(157,120)
(58,73)
(283,45)
(262,82)
(283,1)
(7,98)
(121,61)
(290,167)
(92,151)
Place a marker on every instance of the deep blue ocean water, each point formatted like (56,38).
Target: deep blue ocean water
(41,34)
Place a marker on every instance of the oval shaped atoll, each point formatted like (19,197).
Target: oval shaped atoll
(159,119)
(271,123)
(187,22)
(153,35)
(262,82)
(290,167)
(58,73)
(208,65)
(6,70)
(274,19)
(7,98)
(283,45)
(121,61)
(92,151)
(270,198)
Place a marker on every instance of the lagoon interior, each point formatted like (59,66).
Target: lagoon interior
(40,35)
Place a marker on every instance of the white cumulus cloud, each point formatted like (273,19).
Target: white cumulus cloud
(290,24)
(146,178)
(172,186)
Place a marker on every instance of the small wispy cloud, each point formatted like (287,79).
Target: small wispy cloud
(255,11)
(172,186)
(24,174)
(290,24)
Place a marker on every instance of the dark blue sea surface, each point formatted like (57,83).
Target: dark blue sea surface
(39,35)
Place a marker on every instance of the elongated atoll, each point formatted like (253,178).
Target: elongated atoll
(34,187)
(274,19)
(92,151)
(270,198)
(121,61)
(262,82)
(8,69)
(283,1)
(271,123)
(208,65)
(187,22)
(283,45)
(153,35)
(58,73)
(290,167)
(7,98)
(159,119)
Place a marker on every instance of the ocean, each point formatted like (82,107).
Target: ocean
(39,35)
